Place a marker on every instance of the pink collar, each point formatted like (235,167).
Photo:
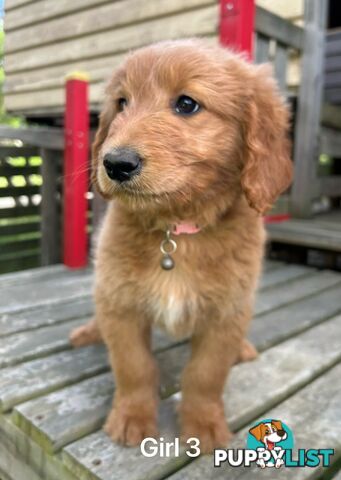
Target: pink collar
(184,227)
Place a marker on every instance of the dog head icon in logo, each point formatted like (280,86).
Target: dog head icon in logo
(270,438)
(269,433)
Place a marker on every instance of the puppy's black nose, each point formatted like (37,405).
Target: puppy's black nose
(122,164)
(281,433)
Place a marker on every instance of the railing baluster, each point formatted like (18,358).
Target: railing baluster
(50,218)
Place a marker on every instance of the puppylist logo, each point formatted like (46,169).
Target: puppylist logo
(270,444)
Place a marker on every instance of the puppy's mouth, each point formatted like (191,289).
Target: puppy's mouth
(132,190)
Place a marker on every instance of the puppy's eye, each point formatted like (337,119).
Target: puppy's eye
(121,104)
(186,105)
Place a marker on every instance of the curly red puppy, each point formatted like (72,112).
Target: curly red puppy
(190,135)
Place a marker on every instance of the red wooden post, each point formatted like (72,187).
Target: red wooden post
(236,29)
(76,177)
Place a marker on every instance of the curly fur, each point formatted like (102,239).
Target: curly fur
(221,169)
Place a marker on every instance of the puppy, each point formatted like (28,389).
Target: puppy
(270,433)
(191,150)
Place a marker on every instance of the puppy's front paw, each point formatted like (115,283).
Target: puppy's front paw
(130,427)
(209,427)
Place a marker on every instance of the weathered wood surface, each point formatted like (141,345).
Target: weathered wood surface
(45,315)
(281,65)
(44,293)
(125,38)
(282,275)
(50,373)
(58,418)
(109,16)
(273,26)
(63,404)
(93,35)
(245,397)
(262,48)
(294,290)
(299,411)
(50,216)
(25,346)
(59,396)
(115,15)
(22,455)
(289,320)
(41,273)
(315,232)
(308,115)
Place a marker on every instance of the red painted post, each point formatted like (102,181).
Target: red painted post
(236,29)
(76,176)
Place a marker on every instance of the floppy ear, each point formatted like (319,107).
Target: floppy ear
(278,424)
(267,170)
(105,119)
(257,431)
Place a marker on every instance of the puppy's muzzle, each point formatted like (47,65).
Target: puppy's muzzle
(121,164)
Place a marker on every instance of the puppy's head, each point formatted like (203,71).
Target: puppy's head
(269,433)
(184,124)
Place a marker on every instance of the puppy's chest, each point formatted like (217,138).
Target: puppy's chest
(173,306)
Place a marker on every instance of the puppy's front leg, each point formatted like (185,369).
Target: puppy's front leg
(134,412)
(214,350)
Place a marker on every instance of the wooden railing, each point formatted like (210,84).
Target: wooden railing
(20,220)
(42,217)
(46,207)
(275,38)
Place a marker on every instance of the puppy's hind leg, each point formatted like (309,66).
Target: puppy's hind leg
(86,334)
(247,352)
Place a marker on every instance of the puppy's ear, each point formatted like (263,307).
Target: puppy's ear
(267,170)
(257,431)
(278,424)
(105,119)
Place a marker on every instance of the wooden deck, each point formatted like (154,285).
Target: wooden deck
(54,399)
(321,232)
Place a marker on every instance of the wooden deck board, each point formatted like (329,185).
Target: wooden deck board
(299,412)
(24,346)
(43,292)
(170,361)
(282,275)
(60,401)
(323,231)
(45,315)
(245,398)
(40,273)
(294,290)
(50,373)
(277,325)
(21,454)
(58,418)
